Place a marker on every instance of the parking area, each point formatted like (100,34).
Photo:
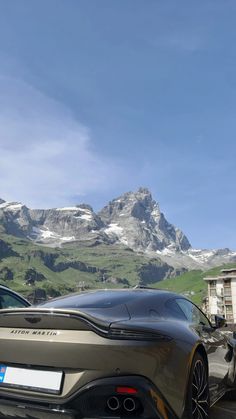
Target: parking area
(224,410)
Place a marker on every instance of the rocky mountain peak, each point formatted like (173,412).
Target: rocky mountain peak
(136,204)
(133,219)
(136,220)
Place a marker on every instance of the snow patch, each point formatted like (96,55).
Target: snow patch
(68,209)
(115,229)
(68,239)
(87,217)
(201,255)
(86,213)
(166,252)
(86,210)
(155,212)
(45,234)
(12,206)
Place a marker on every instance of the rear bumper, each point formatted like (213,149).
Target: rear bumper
(13,409)
(91,403)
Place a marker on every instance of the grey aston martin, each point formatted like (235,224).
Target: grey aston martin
(103,354)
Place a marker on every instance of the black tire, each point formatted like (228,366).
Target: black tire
(197,404)
(230,395)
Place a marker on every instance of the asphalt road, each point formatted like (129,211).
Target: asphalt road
(224,410)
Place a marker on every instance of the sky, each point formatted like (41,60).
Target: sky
(98,98)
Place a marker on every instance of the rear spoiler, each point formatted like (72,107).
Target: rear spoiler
(41,318)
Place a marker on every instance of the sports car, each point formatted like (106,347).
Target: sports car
(109,354)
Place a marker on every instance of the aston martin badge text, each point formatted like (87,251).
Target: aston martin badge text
(34,332)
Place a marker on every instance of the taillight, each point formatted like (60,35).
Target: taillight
(126,390)
(137,335)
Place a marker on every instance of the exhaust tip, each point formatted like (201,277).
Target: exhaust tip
(113,403)
(129,404)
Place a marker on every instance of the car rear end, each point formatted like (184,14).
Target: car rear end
(66,363)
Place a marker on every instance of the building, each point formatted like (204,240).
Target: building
(222,295)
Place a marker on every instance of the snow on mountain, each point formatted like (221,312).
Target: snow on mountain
(53,226)
(11,206)
(197,258)
(133,219)
(144,227)
(117,233)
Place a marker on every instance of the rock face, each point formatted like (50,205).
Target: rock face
(135,220)
(65,224)
(53,226)
(14,218)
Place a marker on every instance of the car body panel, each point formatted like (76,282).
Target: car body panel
(73,352)
(154,349)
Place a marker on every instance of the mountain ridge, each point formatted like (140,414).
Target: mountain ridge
(133,220)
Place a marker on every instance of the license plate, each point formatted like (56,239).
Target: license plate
(31,379)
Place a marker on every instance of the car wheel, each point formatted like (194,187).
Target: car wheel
(197,404)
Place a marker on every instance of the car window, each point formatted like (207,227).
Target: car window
(8,300)
(173,309)
(95,300)
(192,313)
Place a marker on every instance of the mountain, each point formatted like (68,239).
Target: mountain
(52,226)
(133,220)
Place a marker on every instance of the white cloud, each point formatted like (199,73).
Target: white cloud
(46,155)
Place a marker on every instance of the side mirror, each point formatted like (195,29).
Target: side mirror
(220,321)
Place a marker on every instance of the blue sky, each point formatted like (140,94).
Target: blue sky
(101,97)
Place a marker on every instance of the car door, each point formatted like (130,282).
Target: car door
(215,342)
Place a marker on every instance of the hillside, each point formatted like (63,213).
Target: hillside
(128,242)
(191,283)
(25,266)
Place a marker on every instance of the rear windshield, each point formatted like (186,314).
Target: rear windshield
(96,300)
(102,305)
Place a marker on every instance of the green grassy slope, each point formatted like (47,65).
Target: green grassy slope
(64,269)
(192,283)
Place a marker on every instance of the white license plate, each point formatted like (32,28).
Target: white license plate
(31,379)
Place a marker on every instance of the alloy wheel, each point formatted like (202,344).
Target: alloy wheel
(200,392)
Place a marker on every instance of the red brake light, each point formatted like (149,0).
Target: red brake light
(126,390)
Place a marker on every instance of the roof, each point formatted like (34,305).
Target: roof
(140,292)
(226,271)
